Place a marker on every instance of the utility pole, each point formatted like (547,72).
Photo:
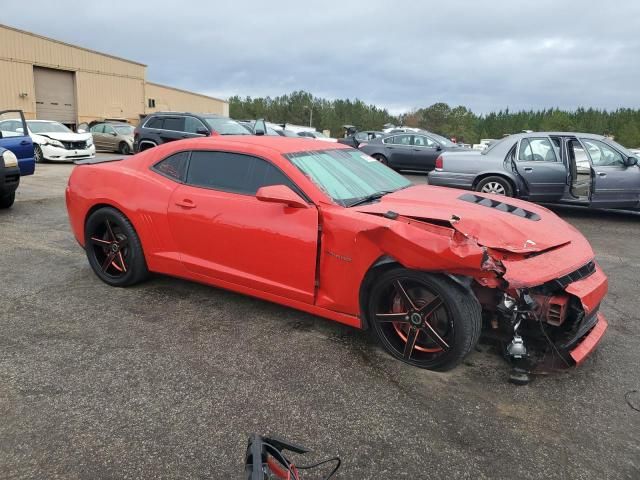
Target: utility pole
(310,115)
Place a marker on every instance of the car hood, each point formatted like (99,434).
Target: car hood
(65,137)
(492,221)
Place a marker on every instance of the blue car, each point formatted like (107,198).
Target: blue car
(14,137)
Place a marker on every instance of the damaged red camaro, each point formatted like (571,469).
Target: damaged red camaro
(330,231)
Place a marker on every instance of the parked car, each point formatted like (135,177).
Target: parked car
(419,265)
(54,141)
(13,137)
(113,136)
(9,177)
(316,136)
(164,127)
(355,139)
(553,167)
(410,150)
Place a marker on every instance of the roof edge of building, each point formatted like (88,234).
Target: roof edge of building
(8,27)
(187,92)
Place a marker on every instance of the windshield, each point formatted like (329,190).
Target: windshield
(445,142)
(47,127)
(124,129)
(624,150)
(347,175)
(226,126)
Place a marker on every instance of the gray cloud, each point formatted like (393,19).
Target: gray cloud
(485,55)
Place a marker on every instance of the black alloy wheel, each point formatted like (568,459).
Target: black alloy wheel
(424,319)
(113,248)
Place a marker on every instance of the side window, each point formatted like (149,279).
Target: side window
(174,123)
(402,140)
(108,129)
(361,136)
(192,125)
(420,141)
(174,166)
(155,122)
(536,150)
(579,156)
(234,172)
(97,128)
(602,155)
(265,174)
(221,171)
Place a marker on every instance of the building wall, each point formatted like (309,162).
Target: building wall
(17,78)
(106,86)
(102,96)
(174,99)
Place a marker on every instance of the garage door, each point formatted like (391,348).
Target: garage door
(55,95)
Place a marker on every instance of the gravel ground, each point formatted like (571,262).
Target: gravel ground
(168,379)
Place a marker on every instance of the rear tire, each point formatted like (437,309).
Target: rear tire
(495,185)
(7,200)
(424,319)
(113,248)
(381,158)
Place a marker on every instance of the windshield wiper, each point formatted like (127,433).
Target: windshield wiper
(370,198)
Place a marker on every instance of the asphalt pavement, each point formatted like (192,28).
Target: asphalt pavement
(168,379)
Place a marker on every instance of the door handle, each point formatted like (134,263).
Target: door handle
(186,203)
(528,169)
(602,174)
(24,142)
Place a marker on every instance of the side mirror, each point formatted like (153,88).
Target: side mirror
(438,147)
(202,131)
(281,194)
(631,161)
(80,130)
(114,134)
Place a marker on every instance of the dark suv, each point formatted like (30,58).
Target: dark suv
(162,127)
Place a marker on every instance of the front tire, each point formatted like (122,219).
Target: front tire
(38,155)
(113,248)
(123,148)
(7,200)
(424,319)
(495,185)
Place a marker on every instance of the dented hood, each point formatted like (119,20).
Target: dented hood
(490,220)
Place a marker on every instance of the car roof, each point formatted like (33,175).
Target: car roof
(277,143)
(211,115)
(557,134)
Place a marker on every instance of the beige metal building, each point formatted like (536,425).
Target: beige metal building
(53,80)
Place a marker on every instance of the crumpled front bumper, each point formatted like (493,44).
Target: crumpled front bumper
(590,291)
(51,152)
(590,341)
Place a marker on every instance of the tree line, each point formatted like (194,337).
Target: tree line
(302,107)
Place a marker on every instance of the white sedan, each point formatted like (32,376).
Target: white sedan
(54,141)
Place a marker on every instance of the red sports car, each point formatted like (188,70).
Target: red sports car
(326,229)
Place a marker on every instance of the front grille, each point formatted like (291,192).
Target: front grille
(501,206)
(579,274)
(75,145)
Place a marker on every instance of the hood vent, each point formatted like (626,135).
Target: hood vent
(501,206)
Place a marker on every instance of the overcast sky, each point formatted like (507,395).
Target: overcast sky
(399,55)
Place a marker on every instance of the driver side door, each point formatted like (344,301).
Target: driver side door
(14,136)
(225,233)
(615,185)
(541,169)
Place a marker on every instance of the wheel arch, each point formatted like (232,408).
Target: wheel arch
(382,264)
(387,262)
(506,176)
